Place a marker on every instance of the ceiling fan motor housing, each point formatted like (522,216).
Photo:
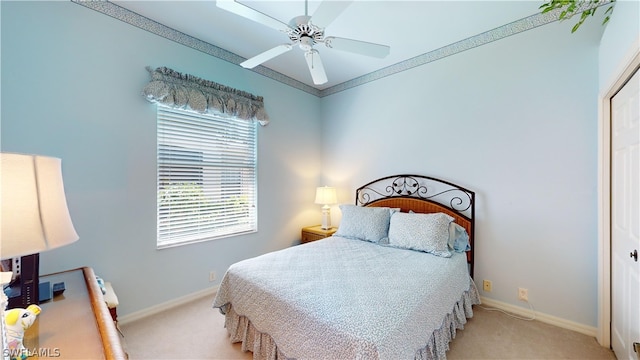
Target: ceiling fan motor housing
(305,33)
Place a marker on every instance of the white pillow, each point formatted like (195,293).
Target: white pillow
(422,232)
(364,223)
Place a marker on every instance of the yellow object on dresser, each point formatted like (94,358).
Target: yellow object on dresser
(313,233)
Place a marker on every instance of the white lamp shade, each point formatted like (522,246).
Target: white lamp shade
(326,195)
(34,214)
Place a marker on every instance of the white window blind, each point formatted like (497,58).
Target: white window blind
(207,176)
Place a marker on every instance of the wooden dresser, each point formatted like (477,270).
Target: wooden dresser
(76,324)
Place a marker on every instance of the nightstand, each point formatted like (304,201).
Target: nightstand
(313,233)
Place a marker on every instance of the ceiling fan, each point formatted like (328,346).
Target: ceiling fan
(305,31)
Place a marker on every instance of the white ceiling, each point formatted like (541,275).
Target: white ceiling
(411,28)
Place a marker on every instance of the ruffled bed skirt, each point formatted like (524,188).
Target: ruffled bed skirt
(264,347)
(438,344)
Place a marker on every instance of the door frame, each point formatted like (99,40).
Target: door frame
(627,67)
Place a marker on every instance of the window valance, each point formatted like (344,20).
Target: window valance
(173,89)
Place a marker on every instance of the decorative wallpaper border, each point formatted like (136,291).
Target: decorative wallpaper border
(486,37)
(137,20)
(156,28)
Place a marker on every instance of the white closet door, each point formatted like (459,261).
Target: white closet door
(625,219)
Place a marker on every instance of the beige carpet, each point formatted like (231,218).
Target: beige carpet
(196,331)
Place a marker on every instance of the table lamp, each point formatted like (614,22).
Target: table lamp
(326,196)
(33,217)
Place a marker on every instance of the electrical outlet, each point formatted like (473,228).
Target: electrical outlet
(212,276)
(486,285)
(523,294)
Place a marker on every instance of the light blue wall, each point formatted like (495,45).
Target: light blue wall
(620,37)
(515,121)
(71,88)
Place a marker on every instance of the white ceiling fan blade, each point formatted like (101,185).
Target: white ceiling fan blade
(315,67)
(251,14)
(327,11)
(265,56)
(357,46)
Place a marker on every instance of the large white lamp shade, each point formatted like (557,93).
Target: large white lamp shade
(34,216)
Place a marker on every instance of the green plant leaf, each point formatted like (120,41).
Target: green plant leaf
(575,27)
(571,7)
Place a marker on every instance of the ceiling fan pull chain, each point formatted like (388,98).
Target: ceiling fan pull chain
(310,62)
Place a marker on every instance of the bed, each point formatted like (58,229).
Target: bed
(394,282)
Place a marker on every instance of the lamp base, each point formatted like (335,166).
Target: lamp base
(326,218)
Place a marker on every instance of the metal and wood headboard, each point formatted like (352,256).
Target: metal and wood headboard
(423,194)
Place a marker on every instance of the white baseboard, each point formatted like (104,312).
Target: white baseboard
(545,318)
(516,310)
(167,305)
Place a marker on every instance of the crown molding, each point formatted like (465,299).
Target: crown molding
(154,27)
(501,32)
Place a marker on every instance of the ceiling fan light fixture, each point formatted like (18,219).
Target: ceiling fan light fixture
(306,43)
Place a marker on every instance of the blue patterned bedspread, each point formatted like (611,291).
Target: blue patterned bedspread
(339,298)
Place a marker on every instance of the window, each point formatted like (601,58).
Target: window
(207,177)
